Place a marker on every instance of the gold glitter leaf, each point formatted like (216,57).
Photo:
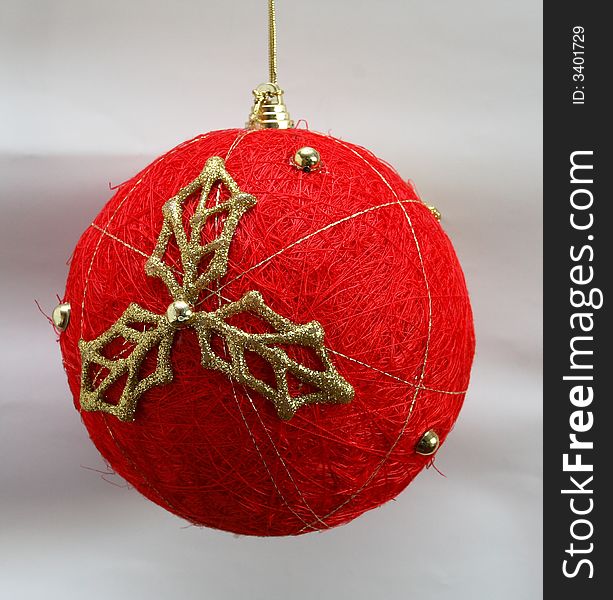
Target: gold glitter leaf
(159,330)
(190,246)
(161,335)
(331,387)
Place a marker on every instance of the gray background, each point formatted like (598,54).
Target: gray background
(449,92)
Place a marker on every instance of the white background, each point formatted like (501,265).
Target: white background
(449,92)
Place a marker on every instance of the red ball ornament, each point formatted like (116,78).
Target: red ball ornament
(277,348)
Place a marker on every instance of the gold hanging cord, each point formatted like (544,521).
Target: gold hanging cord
(272,42)
(268,110)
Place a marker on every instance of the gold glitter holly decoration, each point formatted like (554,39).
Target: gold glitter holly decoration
(147,330)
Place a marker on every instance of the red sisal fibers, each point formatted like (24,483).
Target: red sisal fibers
(337,246)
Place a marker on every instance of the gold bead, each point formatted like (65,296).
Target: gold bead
(61,316)
(436,212)
(179,313)
(307,159)
(428,444)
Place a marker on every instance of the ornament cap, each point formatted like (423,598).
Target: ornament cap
(269,110)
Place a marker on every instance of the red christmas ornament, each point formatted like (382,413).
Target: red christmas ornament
(333,237)
(266,331)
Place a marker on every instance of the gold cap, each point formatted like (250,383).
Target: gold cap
(269,111)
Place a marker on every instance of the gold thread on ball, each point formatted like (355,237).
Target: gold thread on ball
(428,444)
(307,159)
(61,316)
